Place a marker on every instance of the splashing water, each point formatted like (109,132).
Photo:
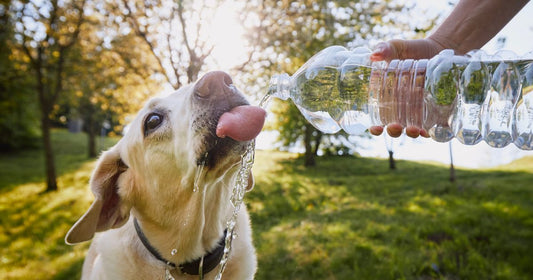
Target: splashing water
(199,173)
(196,187)
(239,189)
(247,160)
(264,102)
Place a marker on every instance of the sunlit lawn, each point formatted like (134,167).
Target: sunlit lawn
(352,218)
(33,223)
(347,218)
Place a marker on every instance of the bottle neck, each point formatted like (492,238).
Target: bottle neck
(279,86)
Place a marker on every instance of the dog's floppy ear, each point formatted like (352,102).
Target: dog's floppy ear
(108,209)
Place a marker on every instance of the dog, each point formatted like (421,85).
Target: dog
(149,220)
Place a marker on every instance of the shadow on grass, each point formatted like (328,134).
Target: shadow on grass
(27,166)
(71,272)
(34,224)
(353,218)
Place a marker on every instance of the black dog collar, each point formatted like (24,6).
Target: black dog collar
(210,260)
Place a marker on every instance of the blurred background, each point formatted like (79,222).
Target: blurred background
(73,73)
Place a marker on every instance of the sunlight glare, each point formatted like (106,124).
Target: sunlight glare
(227,35)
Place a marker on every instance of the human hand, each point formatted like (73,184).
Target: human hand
(396,129)
(404,49)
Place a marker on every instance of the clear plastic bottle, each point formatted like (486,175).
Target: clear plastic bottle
(472,97)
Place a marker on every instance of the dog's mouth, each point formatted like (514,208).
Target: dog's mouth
(234,130)
(228,121)
(242,123)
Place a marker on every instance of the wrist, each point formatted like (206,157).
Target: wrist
(438,43)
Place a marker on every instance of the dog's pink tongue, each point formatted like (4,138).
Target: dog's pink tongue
(242,123)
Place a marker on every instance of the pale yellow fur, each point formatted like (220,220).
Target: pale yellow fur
(156,187)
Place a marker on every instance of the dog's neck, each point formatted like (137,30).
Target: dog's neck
(200,266)
(191,224)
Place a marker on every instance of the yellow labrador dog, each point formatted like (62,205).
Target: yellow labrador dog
(149,216)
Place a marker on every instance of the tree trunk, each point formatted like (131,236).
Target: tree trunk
(318,140)
(452,169)
(392,163)
(309,151)
(51,183)
(92,142)
(46,70)
(91,136)
(452,173)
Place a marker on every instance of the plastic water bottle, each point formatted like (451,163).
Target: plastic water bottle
(473,97)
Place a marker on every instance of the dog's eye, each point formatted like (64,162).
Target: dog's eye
(152,122)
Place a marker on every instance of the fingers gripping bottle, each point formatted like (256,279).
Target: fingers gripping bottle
(473,97)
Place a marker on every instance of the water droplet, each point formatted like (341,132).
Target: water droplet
(264,102)
(230,224)
(168,276)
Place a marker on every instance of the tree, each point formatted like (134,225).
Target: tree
(288,33)
(293,128)
(46,31)
(175,33)
(111,80)
(18,121)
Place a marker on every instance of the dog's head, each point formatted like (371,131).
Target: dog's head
(207,125)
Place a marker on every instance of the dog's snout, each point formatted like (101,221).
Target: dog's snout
(212,83)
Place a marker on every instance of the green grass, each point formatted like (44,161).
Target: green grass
(34,223)
(352,218)
(347,218)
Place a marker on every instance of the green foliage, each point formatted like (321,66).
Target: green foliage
(19,125)
(317,87)
(475,83)
(288,121)
(347,218)
(354,83)
(288,33)
(108,83)
(444,88)
(19,118)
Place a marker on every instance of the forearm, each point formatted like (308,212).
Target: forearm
(473,23)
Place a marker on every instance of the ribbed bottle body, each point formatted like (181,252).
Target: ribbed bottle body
(473,98)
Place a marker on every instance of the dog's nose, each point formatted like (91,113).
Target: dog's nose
(215,82)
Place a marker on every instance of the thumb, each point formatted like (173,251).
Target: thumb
(384,51)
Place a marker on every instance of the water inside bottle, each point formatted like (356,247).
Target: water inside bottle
(524,112)
(353,92)
(317,98)
(415,96)
(473,87)
(441,89)
(473,97)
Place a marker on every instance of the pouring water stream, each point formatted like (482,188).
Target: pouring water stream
(247,161)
